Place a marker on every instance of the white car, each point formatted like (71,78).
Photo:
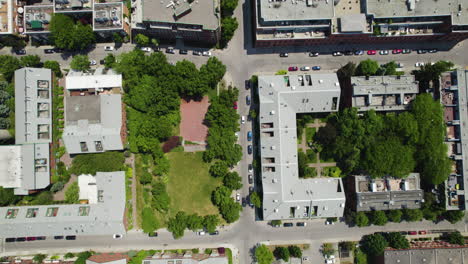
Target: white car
(207,53)
(242,119)
(117,236)
(201,233)
(419,64)
(108,48)
(305,68)
(147,49)
(238,197)
(92,62)
(383,52)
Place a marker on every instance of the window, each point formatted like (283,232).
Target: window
(52,212)
(83,211)
(98,145)
(43,131)
(32,212)
(11,214)
(43,110)
(42,84)
(334,103)
(84,147)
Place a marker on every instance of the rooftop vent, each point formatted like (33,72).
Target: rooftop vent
(320,81)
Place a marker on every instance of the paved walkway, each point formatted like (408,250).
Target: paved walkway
(134,194)
(60,196)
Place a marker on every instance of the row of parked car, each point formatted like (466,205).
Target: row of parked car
(23,239)
(292,224)
(369,52)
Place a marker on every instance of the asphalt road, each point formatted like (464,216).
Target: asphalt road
(242,61)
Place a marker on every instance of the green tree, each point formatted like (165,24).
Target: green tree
(212,72)
(361,219)
(281,253)
(228,27)
(228,6)
(43,198)
(367,67)
(190,82)
(7,197)
(219,169)
(8,66)
(210,222)
(394,216)
(30,61)
(72,194)
(146,177)
(39,258)
(142,40)
(109,60)
(67,35)
(412,215)
(117,37)
(295,251)
(454,216)
(80,63)
(263,255)
(327,249)
(161,200)
(378,218)
(281,72)
(456,238)
(232,180)
(92,163)
(55,67)
(149,223)
(397,241)
(58,186)
(388,69)
(374,245)
(69,255)
(255,199)
(154,42)
(177,225)
(360,257)
(346,71)
(194,222)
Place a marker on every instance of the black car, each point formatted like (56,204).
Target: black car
(284,55)
(421,51)
(41,238)
(20,52)
(153,234)
(348,53)
(49,51)
(313,54)
(10,239)
(249,149)
(20,239)
(70,237)
(250,179)
(197,53)
(215,233)
(58,237)
(247,84)
(183,52)
(244,202)
(170,50)
(251,189)
(288,224)
(102,62)
(300,224)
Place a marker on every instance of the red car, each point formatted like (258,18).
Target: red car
(371,52)
(397,51)
(422,232)
(292,68)
(235,105)
(412,233)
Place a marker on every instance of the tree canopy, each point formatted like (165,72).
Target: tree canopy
(367,67)
(94,162)
(66,34)
(374,245)
(72,194)
(263,255)
(80,63)
(397,240)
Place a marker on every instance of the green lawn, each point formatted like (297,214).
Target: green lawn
(190,185)
(310,132)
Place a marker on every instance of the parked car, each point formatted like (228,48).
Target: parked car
(215,233)
(419,64)
(397,51)
(422,232)
(305,68)
(244,202)
(183,51)
(250,179)
(238,197)
(412,233)
(404,233)
(313,54)
(247,84)
(292,68)
(20,51)
(197,53)
(406,51)
(206,53)
(250,168)
(102,62)
(92,62)
(30,238)
(383,52)
(251,189)
(301,224)
(20,239)
(249,149)
(70,237)
(10,239)
(337,53)
(433,50)
(146,49)
(170,50)
(358,52)
(117,236)
(288,224)
(371,52)
(249,136)
(41,238)
(421,51)
(235,105)
(348,53)
(49,51)
(242,119)
(108,48)
(316,68)
(153,234)
(283,54)
(247,99)
(201,233)
(58,237)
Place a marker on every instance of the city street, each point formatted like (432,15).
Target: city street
(243,61)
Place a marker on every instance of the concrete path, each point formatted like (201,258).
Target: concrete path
(194,148)
(134,194)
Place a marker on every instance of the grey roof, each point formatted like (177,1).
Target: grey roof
(103,218)
(295,10)
(388,193)
(99,78)
(353,23)
(427,256)
(281,97)
(457,9)
(91,119)
(383,93)
(33,121)
(203,13)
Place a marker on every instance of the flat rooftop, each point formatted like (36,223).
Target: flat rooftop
(108,16)
(457,9)
(274,10)
(199,12)
(93,79)
(83,108)
(6,17)
(73,5)
(37,18)
(382,85)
